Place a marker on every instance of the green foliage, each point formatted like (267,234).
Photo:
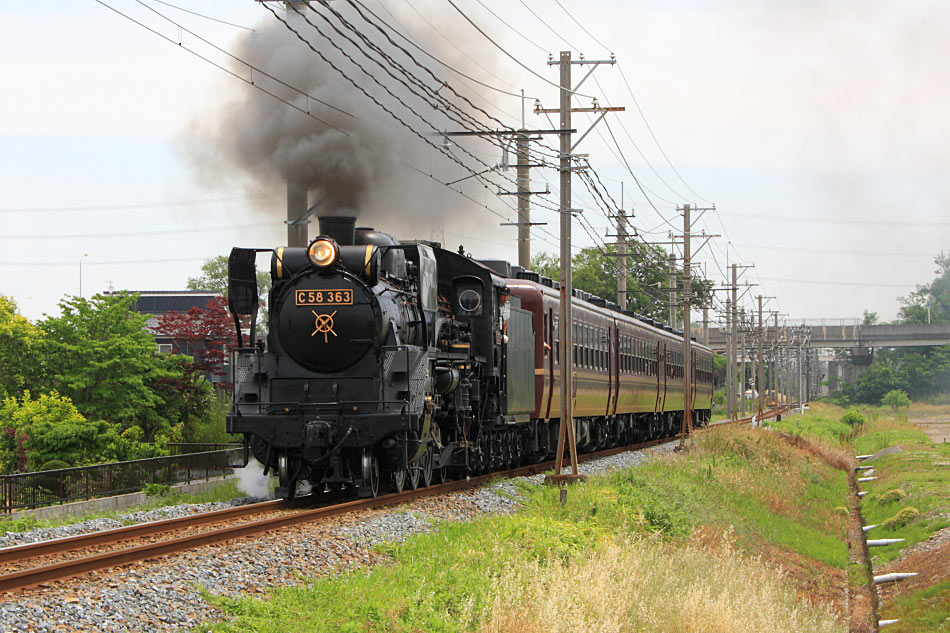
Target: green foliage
(18,349)
(876,381)
(53,464)
(100,355)
(50,429)
(214,277)
(926,610)
(902,518)
(157,490)
(436,580)
(208,425)
(595,271)
(852,417)
(896,399)
(893,495)
(930,302)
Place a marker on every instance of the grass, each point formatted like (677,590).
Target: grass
(922,471)
(924,610)
(694,526)
(223,492)
(909,499)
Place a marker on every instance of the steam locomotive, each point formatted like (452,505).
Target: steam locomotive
(392,364)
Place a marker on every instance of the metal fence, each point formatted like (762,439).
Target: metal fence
(29,490)
(183,448)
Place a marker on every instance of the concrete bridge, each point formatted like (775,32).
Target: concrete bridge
(841,333)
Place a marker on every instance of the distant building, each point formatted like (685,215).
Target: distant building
(159,302)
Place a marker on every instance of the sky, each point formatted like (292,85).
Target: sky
(817,129)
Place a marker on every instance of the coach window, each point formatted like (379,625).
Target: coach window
(557,343)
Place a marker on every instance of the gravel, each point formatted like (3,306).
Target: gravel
(169,594)
(96,525)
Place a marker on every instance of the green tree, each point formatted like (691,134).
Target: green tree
(100,355)
(19,361)
(870,318)
(896,399)
(38,432)
(876,381)
(595,271)
(930,302)
(214,277)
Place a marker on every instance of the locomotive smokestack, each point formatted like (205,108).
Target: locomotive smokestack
(342,228)
(296,213)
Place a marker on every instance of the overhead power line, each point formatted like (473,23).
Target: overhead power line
(202,15)
(136,206)
(557,33)
(512,57)
(907,222)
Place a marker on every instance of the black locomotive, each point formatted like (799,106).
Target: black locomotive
(391,364)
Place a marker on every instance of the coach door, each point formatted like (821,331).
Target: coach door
(660,350)
(614,366)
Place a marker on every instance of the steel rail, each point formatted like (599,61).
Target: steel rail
(20,553)
(68,569)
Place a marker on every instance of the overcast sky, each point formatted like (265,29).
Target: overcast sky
(818,129)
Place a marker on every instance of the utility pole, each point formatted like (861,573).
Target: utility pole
(742,349)
(567,281)
(759,383)
(524,204)
(622,259)
(732,359)
(687,303)
(672,291)
(566,429)
(730,363)
(775,361)
(706,325)
(687,341)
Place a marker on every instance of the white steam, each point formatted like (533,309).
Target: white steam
(252,481)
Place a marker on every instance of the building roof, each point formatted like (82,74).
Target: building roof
(162,301)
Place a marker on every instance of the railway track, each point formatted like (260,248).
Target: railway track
(290,513)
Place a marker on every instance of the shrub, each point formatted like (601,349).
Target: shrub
(54,464)
(896,399)
(893,495)
(157,490)
(902,518)
(853,417)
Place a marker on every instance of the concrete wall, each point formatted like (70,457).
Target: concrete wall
(118,502)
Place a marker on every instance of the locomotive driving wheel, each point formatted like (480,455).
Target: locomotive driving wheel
(370,471)
(414,475)
(398,480)
(425,468)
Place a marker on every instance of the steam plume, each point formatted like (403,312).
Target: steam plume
(354,164)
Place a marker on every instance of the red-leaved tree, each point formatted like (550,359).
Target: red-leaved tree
(205,335)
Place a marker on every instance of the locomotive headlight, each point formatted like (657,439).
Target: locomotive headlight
(323,252)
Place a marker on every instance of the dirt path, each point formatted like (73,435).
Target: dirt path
(937,427)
